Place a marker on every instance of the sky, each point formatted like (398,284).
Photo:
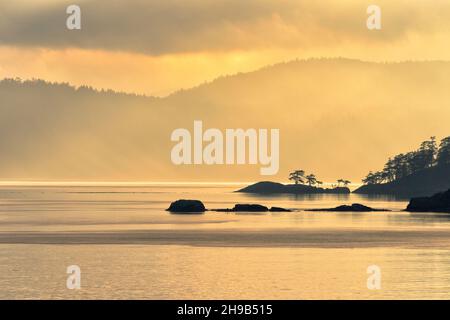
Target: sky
(157,47)
(370,110)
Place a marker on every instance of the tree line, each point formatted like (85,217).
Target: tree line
(428,155)
(299,177)
(9,83)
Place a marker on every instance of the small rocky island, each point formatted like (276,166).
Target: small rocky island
(252,208)
(187,206)
(303,184)
(356,207)
(268,187)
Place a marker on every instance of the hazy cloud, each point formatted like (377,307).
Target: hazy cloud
(178,26)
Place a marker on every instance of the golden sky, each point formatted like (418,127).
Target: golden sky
(157,47)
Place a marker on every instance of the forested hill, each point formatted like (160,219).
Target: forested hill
(423,183)
(331,120)
(421,172)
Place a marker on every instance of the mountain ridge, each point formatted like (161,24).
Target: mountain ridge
(226,76)
(338,117)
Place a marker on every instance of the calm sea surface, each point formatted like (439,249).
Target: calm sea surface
(128,247)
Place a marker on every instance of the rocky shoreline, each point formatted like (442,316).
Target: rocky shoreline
(440,202)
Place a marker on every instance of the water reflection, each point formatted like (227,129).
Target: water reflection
(295,255)
(298,197)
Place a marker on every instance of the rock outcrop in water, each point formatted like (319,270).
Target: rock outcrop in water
(187,206)
(356,207)
(278,209)
(268,187)
(196,206)
(440,202)
(252,208)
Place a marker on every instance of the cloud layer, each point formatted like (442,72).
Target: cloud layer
(179,26)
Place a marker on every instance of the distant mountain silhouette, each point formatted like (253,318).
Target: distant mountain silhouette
(338,116)
(424,183)
(267,187)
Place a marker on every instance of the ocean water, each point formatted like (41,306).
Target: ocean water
(128,247)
